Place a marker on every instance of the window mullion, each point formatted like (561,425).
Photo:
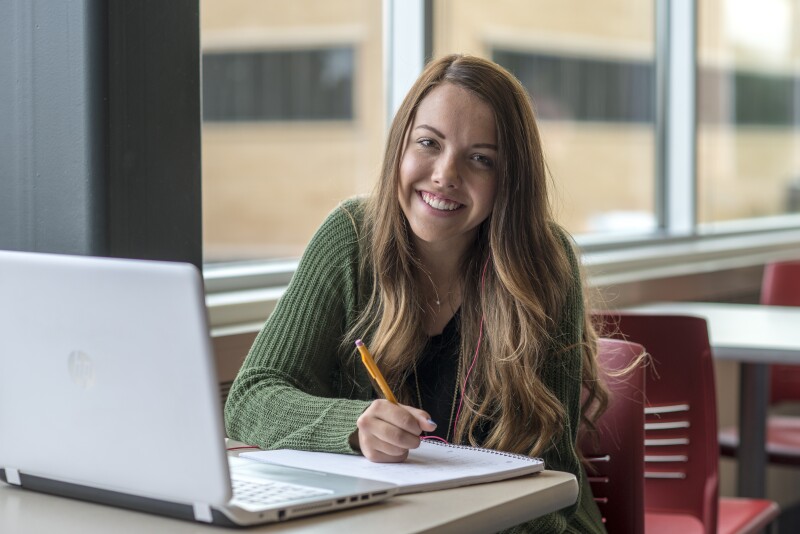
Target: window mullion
(404,48)
(676,131)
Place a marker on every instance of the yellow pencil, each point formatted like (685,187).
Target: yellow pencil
(374,372)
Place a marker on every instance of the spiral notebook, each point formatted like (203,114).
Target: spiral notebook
(433,466)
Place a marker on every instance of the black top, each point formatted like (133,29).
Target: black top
(436,374)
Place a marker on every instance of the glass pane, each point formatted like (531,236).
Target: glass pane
(589,68)
(292,119)
(748,108)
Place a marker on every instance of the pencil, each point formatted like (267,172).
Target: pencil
(374,372)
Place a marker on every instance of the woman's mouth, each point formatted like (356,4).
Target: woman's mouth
(438,203)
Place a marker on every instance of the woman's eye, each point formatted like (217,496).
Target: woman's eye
(483,160)
(427,143)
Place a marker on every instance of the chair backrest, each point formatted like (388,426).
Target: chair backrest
(616,451)
(681,448)
(781,287)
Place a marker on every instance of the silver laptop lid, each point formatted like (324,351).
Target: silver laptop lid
(94,385)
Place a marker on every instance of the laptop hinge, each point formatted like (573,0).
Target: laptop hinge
(12,476)
(202,512)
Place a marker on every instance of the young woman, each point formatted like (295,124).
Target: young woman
(466,292)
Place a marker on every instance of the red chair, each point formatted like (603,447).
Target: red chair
(780,287)
(616,451)
(681,448)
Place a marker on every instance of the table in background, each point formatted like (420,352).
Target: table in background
(756,336)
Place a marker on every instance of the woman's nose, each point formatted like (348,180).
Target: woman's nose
(445,173)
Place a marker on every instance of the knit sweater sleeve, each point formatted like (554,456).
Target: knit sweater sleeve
(292,390)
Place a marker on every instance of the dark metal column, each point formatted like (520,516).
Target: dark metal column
(100,128)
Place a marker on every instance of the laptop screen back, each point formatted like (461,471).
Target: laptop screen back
(107,376)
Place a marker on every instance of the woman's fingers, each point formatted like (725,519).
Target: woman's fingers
(423,418)
(378,450)
(387,431)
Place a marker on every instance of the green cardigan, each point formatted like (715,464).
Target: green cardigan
(296,391)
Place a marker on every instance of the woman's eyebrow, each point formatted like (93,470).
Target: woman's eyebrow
(485,145)
(431,128)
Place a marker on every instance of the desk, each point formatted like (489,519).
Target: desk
(481,508)
(755,336)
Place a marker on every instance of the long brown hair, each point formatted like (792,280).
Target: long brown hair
(527,282)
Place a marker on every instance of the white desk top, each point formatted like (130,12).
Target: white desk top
(481,508)
(743,332)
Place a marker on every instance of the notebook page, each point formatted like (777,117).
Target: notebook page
(432,466)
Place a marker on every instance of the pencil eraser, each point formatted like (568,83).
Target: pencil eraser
(358,343)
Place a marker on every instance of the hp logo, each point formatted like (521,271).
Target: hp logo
(81,369)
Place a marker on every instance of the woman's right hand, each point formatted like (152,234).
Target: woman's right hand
(386,431)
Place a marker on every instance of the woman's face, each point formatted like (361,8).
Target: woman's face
(448,174)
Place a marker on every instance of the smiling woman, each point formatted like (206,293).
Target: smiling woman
(455,274)
(447,174)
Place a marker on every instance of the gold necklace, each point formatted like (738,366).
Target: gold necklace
(438,299)
(453,403)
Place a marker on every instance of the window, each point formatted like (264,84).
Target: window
(278,85)
(748,107)
(755,98)
(649,127)
(293,120)
(584,89)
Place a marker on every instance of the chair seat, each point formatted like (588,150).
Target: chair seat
(783,440)
(735,516)
(666,523)
(745,516)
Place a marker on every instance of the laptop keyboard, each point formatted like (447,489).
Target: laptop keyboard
(268,492)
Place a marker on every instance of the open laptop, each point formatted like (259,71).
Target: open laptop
(109,393)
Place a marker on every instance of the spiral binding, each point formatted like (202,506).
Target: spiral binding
(490,451)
